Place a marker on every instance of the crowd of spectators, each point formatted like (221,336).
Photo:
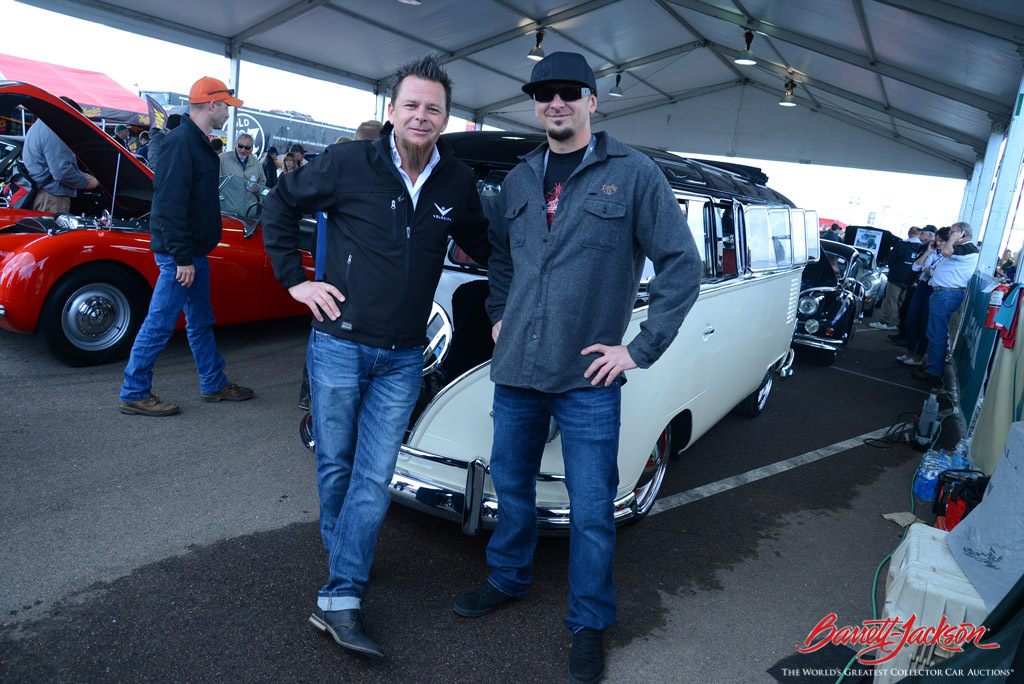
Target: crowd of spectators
(928,277)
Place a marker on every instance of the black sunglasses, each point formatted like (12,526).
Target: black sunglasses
(229,91)
(243,147)
(567,93)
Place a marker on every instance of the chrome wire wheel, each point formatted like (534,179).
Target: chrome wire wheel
(649,483)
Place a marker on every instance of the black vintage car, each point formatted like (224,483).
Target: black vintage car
(831,300)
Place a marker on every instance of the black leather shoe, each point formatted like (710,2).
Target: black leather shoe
(586,660)
(347,629)
(924,376)
(481,601)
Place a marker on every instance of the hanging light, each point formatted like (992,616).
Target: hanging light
(616,91)
(410,2)
(787,99)
(537,53)
(746,58)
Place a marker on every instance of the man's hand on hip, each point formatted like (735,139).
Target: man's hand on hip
(319,297)
(185,275)
(613,360)
(495,331)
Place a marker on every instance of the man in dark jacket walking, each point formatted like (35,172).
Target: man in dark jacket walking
(580,214)
(270,167)
(391,205)
(184,227)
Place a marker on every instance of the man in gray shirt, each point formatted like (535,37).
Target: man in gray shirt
(53,168)
(580,214)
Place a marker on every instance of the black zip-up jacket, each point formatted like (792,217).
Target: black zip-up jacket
(185,220)
(383,256)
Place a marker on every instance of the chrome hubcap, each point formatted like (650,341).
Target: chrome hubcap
(649,484)
(96,316)
(762,396)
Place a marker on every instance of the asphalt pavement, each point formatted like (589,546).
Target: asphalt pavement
(186,548)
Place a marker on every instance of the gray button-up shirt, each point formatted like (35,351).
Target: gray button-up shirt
(51,163)
(558,291)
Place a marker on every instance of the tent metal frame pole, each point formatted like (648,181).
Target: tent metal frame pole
(970,192)
(1005,190)
(988,172)
(234,74)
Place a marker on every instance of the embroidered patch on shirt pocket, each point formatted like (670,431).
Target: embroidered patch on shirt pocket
(603,232)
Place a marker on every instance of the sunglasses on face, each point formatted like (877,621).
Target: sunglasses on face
(244,147)
(567,93)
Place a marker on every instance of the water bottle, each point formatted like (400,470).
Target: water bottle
(960,453)
(927,476)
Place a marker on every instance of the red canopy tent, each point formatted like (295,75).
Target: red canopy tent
(100,96)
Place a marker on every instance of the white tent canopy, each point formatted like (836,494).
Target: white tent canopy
(916,86)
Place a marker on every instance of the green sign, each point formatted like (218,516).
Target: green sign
(974,349)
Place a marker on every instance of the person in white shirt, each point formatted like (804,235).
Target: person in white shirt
(949,281)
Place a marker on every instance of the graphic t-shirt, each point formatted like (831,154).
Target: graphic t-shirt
(560,167)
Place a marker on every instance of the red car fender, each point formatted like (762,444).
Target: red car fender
(29,273)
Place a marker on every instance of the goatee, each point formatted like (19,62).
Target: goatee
(416,155)
(560,134)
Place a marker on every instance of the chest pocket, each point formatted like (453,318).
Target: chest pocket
(602,223)
(516,227)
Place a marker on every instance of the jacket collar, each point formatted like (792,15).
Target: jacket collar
(198,133)
(382,146)
(606,146)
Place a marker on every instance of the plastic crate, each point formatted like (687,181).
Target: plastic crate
(925,581)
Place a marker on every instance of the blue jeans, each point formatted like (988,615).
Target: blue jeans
(169,298)
(362,398)
(916,322)
(941,306)
(589,423)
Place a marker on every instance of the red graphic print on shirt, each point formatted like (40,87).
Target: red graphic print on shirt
(551,201)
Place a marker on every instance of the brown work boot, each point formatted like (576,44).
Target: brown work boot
(230,393)
(150,406)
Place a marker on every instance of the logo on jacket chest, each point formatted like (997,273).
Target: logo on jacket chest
(442,212)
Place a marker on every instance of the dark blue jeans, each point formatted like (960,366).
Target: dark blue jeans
(169,298)
(362,398)
(589,423)
(916,322)
(941,307)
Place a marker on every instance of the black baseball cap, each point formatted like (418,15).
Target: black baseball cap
(562,67)
(298,148)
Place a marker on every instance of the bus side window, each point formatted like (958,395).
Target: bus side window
(725,240)
(693,210)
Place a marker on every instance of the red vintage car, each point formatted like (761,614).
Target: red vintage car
(82,281)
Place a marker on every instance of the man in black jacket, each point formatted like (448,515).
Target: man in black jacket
(184,228)
(391,205)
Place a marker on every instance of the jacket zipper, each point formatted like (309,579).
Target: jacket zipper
(394,220)
(405,283)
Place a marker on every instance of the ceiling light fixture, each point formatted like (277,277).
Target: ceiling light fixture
(616,91)
(410,2)
(787,99)
(537,53)
(746,58)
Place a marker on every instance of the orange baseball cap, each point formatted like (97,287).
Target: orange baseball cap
(209,89)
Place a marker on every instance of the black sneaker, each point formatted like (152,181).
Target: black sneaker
(481,601)
(586,660)
(347,629)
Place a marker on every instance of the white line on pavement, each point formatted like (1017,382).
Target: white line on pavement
(887,382)
(703,492)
